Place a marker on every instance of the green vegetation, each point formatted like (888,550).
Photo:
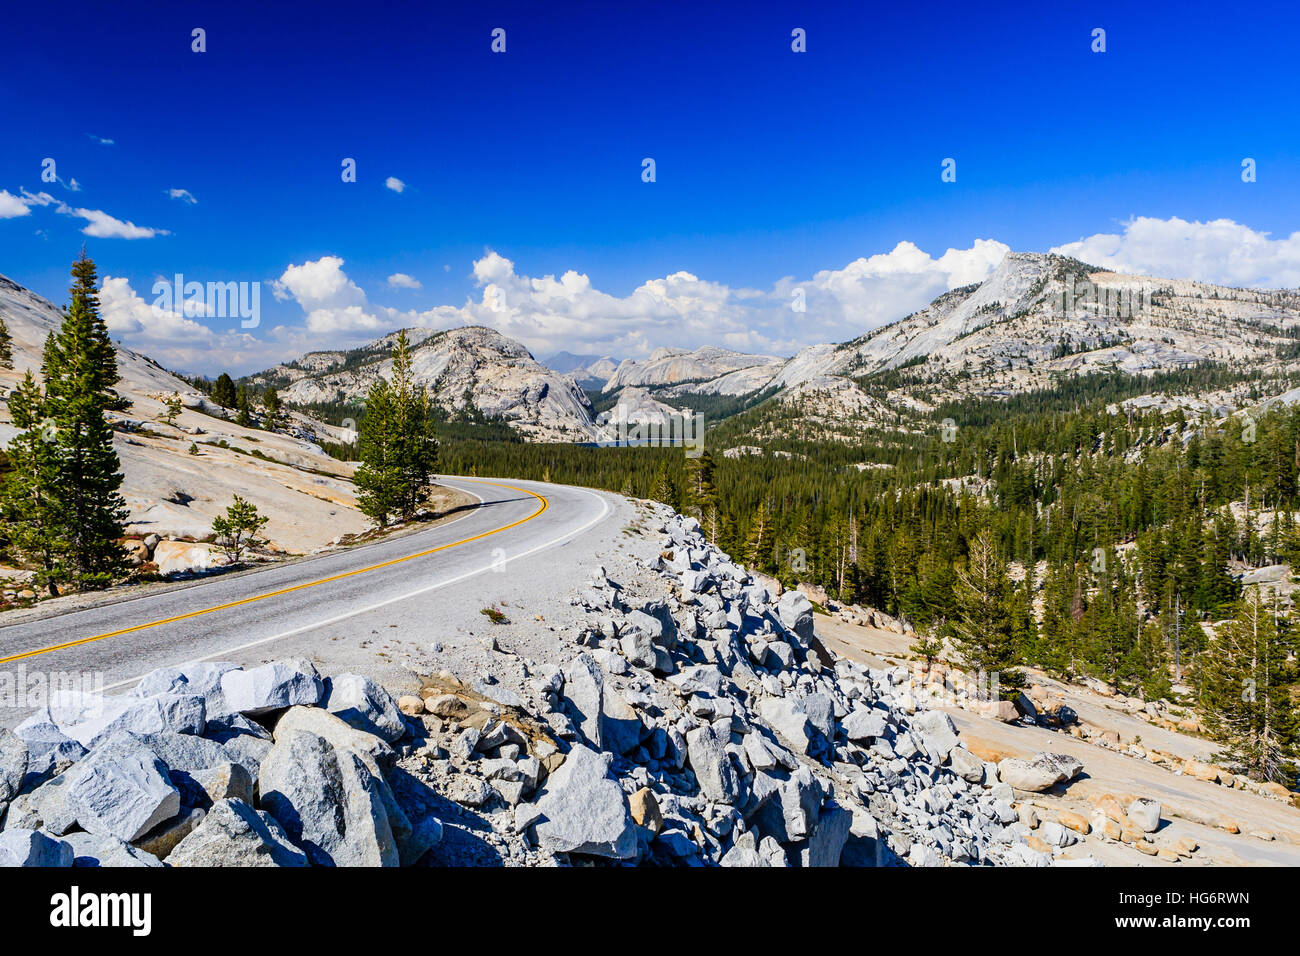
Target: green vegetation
(62,509)
(397,447)
(236,531)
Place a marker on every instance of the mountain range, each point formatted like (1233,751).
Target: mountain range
(1036,320)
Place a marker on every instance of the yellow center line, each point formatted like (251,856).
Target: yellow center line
(296,587)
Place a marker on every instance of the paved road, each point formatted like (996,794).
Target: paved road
(232,617)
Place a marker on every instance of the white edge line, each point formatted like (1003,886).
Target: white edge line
(604,510)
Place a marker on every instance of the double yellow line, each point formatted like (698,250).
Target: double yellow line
(297,587)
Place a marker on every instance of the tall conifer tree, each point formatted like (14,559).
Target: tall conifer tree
(80,370)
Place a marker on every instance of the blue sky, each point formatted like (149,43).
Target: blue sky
(770,164)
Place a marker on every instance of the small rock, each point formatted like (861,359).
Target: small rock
(645,810)
(1145,814)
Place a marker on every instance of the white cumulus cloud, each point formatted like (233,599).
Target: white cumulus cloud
(400,280)
(395,184)
(11,206)
(1220,251)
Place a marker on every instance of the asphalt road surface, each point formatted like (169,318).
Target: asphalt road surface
(516,526)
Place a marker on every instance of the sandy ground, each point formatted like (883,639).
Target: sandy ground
(1185,800)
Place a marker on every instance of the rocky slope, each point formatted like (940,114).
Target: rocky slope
(173,493)
(1041,318)
(692,719)
(667,366)
(462,368)
(589,371)
(636,406)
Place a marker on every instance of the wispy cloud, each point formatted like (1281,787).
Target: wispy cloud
(400,280)
(102,141)
(104,226)
(100,224)
(395,184)
(184,195)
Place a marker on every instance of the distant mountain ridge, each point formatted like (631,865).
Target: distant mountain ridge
(466,367)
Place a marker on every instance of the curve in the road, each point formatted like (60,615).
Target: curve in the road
(543,505)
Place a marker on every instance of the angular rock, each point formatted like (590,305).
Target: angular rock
(45,808)
(744,852)
(707,756)
(792,811)
(938,731)
(606,720)
(363,704)
(1040,773)
(795,612)
(468,791)
(699,679)
(272,687)
(322,723)
(13,766)
(864,723)
(234,834)
(327,800)
(759,753)
(121,789)
(20,847)
(175,713)
(162,839)
(91,850)
(645,810)
(227,781)
(820,712)
(784,717)
(201,677)
(966,765)
(585,810)
(829,835)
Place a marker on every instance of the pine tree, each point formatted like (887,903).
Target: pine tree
(29,494)
(378,478)
(172,407)
(397,448)
(244,411)
(417,449)
(1245,686)
(271,405)
(223,391)
(663,489)
(236,530)
(80,370)
(758,545)
(701,491)
(928,645)
(982,632)
(6,346)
